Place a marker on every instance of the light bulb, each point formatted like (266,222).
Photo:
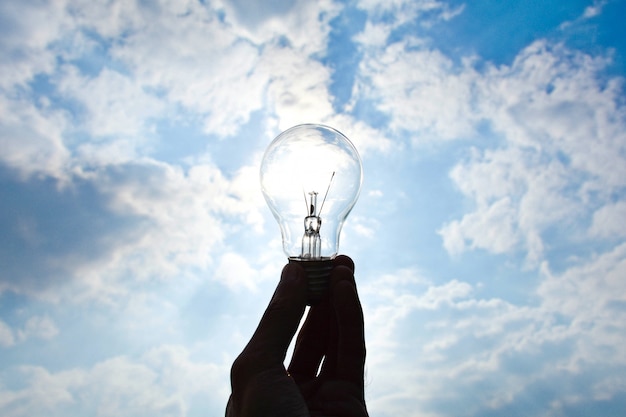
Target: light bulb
(311,178)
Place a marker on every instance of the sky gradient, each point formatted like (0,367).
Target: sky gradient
(137,253)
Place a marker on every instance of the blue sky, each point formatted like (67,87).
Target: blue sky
(137,253)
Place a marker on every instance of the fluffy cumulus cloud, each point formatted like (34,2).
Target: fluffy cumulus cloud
(462,345)
(6,335)
(305,26)
(147,220)
(558,125)
(421,91)
(545,175)
(94,120)
(31,138)
(162,382)
(562,155)
(177,51)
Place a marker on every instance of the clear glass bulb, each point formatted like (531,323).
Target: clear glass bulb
(311,178)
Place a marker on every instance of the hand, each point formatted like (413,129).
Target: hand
(332,332)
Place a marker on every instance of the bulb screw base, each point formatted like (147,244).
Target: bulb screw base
(318,277)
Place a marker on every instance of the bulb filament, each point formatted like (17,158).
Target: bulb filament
(311,241)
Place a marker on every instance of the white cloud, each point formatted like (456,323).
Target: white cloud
(563,154)
(183,212)
(305,25)
(364,228)
(37,327)
(405,365)
(6,335)
(552,100)
(426,339)
(161,56)
(40,327)
(390,299)
(421,91)
(591,295)
(517,195)
(113,18)
(608,221)
(594,10)
(162,61)
(162,64)
(114,104)
(368,140)
(193,59)
(373,35)
(44,394)
(235,272)
(138,223)
(426,12)
(163,382)
(24,46)
(222,81)
(490,227)
(298,91)
(560,151)
(31,139)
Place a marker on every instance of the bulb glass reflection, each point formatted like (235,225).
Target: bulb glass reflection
(311,178)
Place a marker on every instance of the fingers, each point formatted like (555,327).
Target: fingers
(351,339)
(334,331)
(345,261)
(342,272)
(311,344)
(281,318)
(313,340)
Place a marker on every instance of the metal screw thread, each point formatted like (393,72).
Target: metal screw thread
(318,277)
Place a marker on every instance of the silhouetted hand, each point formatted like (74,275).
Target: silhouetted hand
(332,333)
